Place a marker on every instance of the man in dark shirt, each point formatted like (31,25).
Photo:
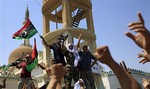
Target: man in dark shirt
(58,54)
(86,72)
(56,47)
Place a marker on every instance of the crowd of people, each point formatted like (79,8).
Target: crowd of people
(78,63)
(103,55)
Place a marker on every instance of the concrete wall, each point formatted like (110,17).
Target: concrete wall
(111,81)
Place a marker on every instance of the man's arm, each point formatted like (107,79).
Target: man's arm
(45,43)
(126,81)
(42,66)
(79,39)
(94,62)
(57,73)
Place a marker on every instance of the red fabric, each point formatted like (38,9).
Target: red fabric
(24,72)
(22,29)
(34,51)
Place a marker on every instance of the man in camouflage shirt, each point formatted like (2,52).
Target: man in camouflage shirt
(72,72)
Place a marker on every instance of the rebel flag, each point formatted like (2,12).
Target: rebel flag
(26,32)
(34,63)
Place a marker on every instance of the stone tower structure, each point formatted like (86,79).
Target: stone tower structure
(68,13)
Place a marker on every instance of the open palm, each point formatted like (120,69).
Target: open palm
(142,36)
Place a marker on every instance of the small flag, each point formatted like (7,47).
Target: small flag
(26,32)
(34,63)
(5,67)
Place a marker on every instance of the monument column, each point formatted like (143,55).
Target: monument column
(90,26)
(66,14)
(46,50)
(67,19)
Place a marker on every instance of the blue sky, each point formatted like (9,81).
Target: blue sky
(110,22)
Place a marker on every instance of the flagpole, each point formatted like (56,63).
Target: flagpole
(39,33)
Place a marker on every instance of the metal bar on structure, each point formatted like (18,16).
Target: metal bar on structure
(56,19)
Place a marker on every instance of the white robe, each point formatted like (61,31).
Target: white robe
(75,53)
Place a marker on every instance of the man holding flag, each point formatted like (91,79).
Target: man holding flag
(29,62)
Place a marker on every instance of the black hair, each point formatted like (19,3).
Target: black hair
(85,46)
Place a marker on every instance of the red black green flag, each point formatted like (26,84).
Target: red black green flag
(26,32)
(34,63)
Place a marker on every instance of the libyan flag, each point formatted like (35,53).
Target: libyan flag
(26,32)
(34,63)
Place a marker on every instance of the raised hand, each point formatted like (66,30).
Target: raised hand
(142,34)
(146,57)
(146,83)
(124,67)
(43,40)
(103,55)
(80,36)
(133,82)
(57,71)
(79,39)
